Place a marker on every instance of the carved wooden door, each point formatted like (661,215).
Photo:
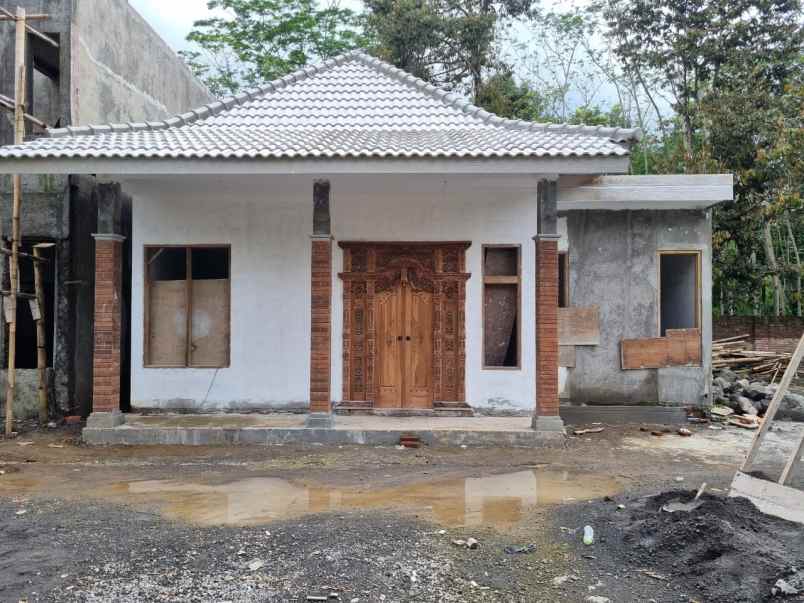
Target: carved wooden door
(404,348)
(417,375)
(389,349)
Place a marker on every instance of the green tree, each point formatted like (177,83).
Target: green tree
(260,40)
(450,43)
(502,95)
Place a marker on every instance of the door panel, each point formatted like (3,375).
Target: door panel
(418,351)
(389,358)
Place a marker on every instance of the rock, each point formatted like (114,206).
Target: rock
(782,587)
(721,411)
(792,407)
(255,565)
(746,405)
(727,375)
(742,383)
(683,431)
(559,580)
(459,542)
(758,390)
(471,543)
(720,383)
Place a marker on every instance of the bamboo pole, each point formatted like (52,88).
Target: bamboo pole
(19,135)
(41,351)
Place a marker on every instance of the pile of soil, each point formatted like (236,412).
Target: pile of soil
(725,549)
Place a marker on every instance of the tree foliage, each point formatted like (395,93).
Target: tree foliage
(260,40)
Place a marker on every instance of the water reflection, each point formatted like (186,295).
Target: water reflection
(496,500)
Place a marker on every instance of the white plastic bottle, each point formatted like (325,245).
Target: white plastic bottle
(588,535)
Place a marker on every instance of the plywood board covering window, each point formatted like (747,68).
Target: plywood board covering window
(187,301)
(679,290)
(501,306)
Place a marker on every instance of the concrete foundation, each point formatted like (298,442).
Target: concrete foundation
(205,430)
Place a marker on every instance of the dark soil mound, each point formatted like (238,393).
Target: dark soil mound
(726,548)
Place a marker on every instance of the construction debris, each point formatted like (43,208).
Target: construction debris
(732,394)
(734,354)
(579,432)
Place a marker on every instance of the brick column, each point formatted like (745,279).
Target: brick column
(107,336)
(546,417)
(321,311)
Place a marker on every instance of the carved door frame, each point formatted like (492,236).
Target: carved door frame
(372,267)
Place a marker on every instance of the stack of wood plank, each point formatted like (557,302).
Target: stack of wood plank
(734,353)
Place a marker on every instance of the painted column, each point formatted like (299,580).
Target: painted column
(107,331)
(320,414)
(546,416)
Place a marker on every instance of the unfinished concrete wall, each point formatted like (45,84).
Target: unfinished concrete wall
(111,66)
(123,71)
(614,265)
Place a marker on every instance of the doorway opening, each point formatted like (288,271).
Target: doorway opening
(679,290)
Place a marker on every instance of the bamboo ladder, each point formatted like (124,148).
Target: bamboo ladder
(775,498)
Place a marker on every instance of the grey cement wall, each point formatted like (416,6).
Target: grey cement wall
(123,70)
(614,265)
(112,67)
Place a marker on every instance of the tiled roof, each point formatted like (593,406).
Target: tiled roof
(349,107)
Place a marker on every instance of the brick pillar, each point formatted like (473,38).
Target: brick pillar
(321,310)
(107,335)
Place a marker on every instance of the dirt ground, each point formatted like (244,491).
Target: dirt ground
(286,523)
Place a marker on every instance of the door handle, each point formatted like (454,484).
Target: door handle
(399,338)
(407,338)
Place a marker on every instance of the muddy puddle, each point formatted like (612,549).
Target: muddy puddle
(496,500)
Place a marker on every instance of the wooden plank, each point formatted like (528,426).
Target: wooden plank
(210,323)
(793,463)
(566,356)
(770,497)
(773,407)
(579,326)
(681,347)
(644,353)
(167,323)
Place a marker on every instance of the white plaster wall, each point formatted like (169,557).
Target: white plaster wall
(267,220)
(268,225)
(455,208)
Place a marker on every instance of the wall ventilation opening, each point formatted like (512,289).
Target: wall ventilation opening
(501,306)
(679,282)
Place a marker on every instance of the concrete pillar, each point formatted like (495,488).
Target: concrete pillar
(320,414)
(546,416)
(107,337)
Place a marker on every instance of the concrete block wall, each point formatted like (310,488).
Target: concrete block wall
(613,258)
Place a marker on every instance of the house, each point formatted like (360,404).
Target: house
(351,238)
(91,75)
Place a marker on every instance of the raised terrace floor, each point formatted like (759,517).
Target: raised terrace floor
(273,429)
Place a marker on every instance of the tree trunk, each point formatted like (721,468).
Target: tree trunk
(797,258)
(773,267)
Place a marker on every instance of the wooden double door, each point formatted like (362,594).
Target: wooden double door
(403,324)
(404,348)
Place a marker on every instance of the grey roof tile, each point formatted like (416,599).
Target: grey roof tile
(351,106)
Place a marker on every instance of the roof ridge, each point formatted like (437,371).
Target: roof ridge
(450,99)
(456,101)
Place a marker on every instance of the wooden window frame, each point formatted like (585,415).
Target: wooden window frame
(189,301)
(501,280)
(564,261)
(698,253)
